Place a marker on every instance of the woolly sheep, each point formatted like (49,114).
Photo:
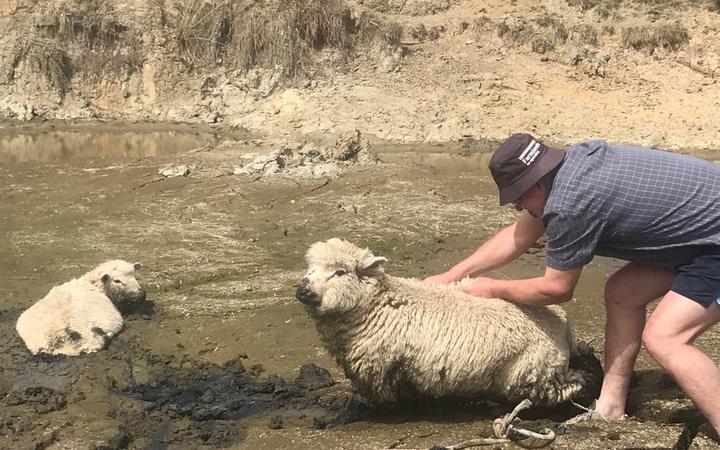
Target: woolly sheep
(82,315)
(400,338)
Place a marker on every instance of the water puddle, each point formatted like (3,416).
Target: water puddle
(50,144)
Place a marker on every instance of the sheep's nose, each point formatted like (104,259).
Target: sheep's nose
(304,293)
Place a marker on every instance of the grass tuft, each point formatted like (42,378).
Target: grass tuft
(45,56)
(92,23)
(585,33)
(280,34)
(648,38)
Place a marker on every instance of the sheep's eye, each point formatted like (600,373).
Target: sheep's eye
(340,272)
(117,281)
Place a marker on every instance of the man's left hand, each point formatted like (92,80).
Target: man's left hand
(479,287)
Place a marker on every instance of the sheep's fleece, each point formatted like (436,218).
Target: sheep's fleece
(399,338)
(81,316)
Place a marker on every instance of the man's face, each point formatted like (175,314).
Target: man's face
(533,201)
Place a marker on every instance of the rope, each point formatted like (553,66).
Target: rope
(505,431)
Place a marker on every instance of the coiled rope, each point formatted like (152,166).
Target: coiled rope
(505,432)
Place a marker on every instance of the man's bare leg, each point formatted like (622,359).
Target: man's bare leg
(626,294)
(669,336)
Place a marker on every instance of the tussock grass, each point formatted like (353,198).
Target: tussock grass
(543,34)
(285,34)
(281,34)
(585,33)
(484,23)
(89,22)
(200,28)
(45,56)
(371,29)
(558,31)
(648,38)
(602,8)
(516,30)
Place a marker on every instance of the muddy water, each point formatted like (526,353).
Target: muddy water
(213,360)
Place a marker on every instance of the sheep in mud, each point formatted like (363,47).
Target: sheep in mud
(401,338)
(82,315)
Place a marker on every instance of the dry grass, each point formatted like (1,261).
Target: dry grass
(77,36)
(370,29)
(285,34)
(602,8)
(516,30)
(648,38)
(585,33)
(200,28)
(45,56)
(281,34)
(547,32)
(91,23)
(558,32)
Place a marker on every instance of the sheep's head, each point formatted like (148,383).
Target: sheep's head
(117,279)
(338,271)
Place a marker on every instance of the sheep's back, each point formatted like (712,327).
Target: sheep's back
(451,342)
(72,318)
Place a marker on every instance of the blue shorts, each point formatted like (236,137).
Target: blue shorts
(699,279)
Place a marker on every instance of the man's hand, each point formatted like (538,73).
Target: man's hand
(442,278)
(479,287)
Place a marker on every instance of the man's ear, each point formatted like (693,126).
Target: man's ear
(370,264)
(104,278)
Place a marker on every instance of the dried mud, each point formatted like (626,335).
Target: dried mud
(218,358)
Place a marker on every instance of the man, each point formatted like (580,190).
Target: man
(655,209)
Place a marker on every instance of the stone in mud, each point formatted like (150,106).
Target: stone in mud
(276,423)
(312,377)
(308,160)
(172,170)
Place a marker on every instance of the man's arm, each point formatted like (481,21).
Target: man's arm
(556,286)
(502,248)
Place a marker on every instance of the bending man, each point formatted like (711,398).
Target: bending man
(657,210)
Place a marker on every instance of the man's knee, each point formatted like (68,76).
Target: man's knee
(654,342)
(658,343)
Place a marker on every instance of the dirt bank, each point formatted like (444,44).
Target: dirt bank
(634,71)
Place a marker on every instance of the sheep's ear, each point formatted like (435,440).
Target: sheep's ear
(104,278)
(370,263)
(137,266)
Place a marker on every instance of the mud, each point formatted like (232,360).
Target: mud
(219,357)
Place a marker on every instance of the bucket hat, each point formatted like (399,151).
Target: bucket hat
(519,163)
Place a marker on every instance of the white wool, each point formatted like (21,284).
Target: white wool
(80,316)
(398,337)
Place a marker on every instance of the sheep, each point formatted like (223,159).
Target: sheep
(399,338)
(82,315)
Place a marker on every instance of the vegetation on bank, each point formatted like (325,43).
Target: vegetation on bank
(89,38)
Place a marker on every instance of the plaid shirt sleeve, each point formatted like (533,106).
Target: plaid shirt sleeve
(572,240)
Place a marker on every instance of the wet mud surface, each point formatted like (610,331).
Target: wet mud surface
(223,356)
